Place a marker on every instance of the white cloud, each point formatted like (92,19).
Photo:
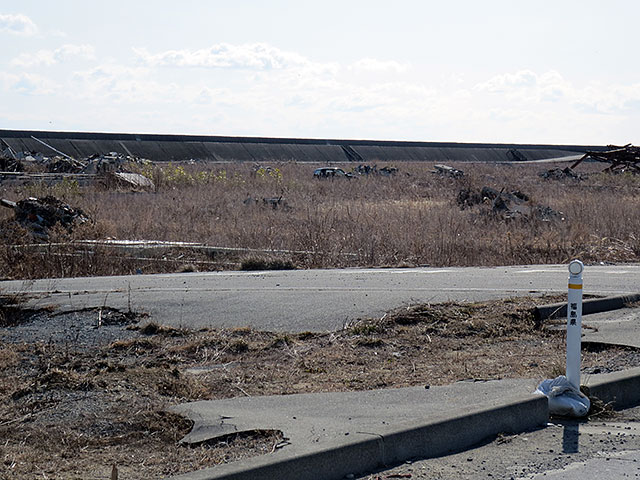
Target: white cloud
(27,83)
(526,89)
(252,56)
(509,81)
(374,65)
(608,99)
(17,24)
(123,84)
(52,57)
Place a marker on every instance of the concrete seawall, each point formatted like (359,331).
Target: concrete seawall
(255,149)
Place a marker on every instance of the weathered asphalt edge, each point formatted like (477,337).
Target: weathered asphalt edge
(590,305)
(432,437)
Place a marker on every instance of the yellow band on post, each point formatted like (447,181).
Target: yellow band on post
(575,286)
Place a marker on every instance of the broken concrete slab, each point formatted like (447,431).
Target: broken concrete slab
(333,434)
(447,171)
(619,327)
(131,181)
(313,418)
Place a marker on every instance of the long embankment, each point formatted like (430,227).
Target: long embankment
(256,149)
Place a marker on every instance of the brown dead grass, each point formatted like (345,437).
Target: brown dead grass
(70,413)
(409,219)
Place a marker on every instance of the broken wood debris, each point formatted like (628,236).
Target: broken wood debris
(620,159)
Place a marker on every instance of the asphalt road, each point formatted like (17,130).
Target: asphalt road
(310,300)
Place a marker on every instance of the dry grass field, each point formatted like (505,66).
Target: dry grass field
(412,218)
(73,407)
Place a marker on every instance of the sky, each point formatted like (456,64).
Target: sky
(550,72)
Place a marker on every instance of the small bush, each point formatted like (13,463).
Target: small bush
(262,264)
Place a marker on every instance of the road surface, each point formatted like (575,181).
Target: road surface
(310,300)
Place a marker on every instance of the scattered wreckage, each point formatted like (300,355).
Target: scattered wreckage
(508,205)
(447,171)
(112,169)
(562,174)
(364,169)
(620,159)
(332,172)
(38,215)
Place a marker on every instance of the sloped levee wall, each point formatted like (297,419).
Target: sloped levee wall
(256,149)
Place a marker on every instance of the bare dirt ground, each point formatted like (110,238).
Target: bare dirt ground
(83,391)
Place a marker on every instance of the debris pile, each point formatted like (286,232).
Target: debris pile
(64,165)
(388,171)
(8,164)
(364,169)
(447,171)
(9,161)
(38,215)
(508,205)
(112,169)
(620,159)
(562,174)
(112,162)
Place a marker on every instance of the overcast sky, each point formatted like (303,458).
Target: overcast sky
(466,71)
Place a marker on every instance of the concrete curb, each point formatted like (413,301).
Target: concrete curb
(621,389)
(591,305)
(435,436)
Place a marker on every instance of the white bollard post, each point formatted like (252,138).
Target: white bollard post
(574,322)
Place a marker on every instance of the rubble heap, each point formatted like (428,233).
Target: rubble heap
(507,205)
(113,169)
(620,159)
(447,171)
(38,215)
(562,174)
(364,169)
(10,165)
(64,165)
